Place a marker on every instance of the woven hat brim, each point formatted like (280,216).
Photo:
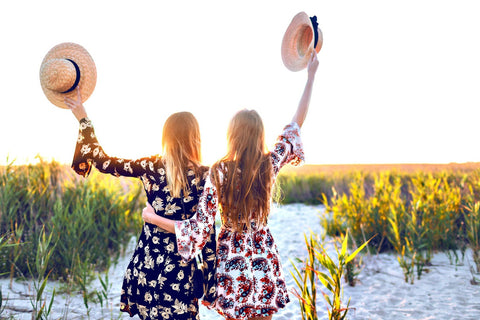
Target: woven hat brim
(86,65)
(298,41)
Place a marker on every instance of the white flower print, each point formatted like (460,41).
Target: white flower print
(170,247)
(148,262)
(171,208)
(169,267)
(96,151)
(167,297)
(148,297)
(161,281)
(157,204)
(85,149)
(155,240)
(187,199)
(83,125)
(141,278)
(106,164)
(161,171)
(153,313)
(155,187)
(180,275)
(143,163)
(148,233)
(175,286)
(150,165)
(128,274)
(152,283)
(160,259)
(80,138)
(147,186)
(180,308)
(127,166)
(142,310)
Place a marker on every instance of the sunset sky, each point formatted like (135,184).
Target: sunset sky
(398,81)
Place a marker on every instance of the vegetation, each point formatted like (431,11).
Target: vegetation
(86,221)
(57,225)
(317,261)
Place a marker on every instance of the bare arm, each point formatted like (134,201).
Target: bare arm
(149,216)
(302,109)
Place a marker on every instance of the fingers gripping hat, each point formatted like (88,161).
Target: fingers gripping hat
(300,39)
(66,67)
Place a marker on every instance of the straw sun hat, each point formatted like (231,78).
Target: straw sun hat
(301,37)
(66,67)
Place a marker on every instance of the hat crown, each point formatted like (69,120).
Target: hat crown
(303,37)
(58,74)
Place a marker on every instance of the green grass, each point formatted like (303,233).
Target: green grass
(89,220)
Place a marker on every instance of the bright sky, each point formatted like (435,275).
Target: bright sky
(398,81)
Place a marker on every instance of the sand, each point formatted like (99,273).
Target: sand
(444,292)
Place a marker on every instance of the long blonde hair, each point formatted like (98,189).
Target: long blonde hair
(245,182)
(181,146)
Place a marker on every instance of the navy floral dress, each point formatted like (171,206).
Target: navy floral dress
(250,279)
(157,283)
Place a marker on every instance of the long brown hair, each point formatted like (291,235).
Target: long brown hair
(243,177)
(181,146)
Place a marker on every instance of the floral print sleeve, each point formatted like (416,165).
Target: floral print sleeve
(192,234)
(88,153)
(288,148)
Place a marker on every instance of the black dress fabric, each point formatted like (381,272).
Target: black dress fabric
(157,284)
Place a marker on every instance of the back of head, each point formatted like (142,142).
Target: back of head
(245,135)
(244,193)
(181,146)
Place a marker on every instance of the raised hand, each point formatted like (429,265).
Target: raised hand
(76,106)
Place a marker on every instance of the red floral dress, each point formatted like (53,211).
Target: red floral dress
(250,279)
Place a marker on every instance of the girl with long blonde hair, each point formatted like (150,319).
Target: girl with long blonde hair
(250,279)
(157,283)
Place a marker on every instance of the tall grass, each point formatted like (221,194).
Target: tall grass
(329,271)
(88,220)
(414,213)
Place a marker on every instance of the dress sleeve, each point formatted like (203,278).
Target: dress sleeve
(192,234)
(288,148)
(88,153)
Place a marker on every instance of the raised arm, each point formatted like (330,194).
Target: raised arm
(302,109)
(89,152)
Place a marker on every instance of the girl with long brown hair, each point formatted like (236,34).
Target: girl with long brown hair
(157,283)
(250,279)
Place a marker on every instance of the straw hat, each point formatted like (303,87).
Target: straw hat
(66,67)
(299,41)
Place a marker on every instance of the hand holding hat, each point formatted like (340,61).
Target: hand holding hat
(76,106)
(65,68)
